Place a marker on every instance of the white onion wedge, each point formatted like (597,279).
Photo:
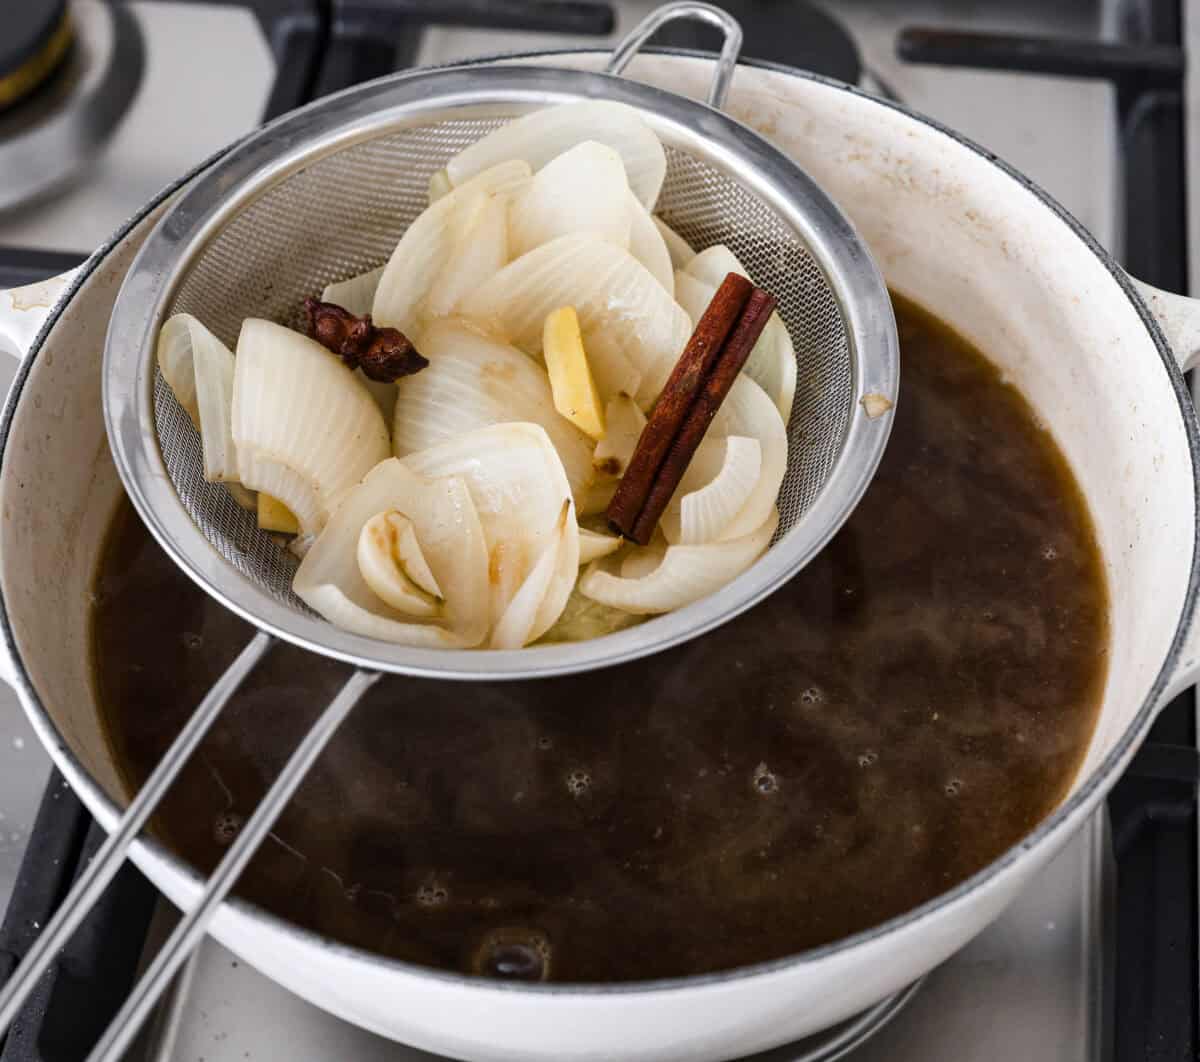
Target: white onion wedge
(304,425)
(630,324)
(593,545)
(518,486)
(772,362)
(517,626)
(678,248)
(624,422)
(686,574)
(747,411)
(647,245)
(693,295)
(542,135)
(474,382)
(713,490)
(186,347)
(394,567)
(640,561)
(439,186)
(428,244)
(582,190)
(451,538)
(482,252)
(356,293)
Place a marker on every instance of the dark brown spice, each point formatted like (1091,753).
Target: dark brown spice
(676,399)
(734,353)
(383,354)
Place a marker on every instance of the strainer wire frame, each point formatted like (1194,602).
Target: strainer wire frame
(421,98)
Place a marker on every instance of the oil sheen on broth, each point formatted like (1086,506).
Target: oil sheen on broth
(884,725)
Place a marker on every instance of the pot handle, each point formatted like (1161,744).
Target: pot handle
(23,313)
(1179,318)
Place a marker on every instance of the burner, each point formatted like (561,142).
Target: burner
(64,117)
(36,38)
(791,32)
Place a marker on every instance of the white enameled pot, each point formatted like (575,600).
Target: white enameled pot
(1098,356)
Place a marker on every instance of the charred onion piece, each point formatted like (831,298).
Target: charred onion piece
(383,354)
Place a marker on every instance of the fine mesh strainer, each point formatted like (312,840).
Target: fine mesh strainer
(325,193)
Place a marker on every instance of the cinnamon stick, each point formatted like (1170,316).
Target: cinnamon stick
(675,401)
(733,355)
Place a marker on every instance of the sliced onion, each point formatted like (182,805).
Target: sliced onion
(430,241)
(647,245)
(693,295)
(629,321)
(394,567)
(623,422)
(680,250)
(686,574)
(304,425)
(518,485)
(516,627)
(439,186)
(640,561)
(199,369)
(542,135)
(748,411)
(281,481)
(451,539)
(593,545)
(714,489)
(582,190)
(482,251)
(772,362)
(474,382)
(355,294)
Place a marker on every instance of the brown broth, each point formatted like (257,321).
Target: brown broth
(883,726)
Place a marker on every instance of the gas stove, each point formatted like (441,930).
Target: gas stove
(1098,958)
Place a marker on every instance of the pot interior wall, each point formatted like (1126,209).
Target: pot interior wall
(58,491)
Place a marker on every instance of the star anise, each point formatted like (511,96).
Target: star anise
(383,354)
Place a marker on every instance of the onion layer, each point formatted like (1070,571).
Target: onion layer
(543,134)
(304,425)
(714,489)
(749,412)
(199,369)
(582,190)
(631,326)
(678,248)
(474,382)
(518,486)
(429,244)
(685,574)
(452,542)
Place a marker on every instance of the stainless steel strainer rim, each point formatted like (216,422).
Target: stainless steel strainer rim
(331,124)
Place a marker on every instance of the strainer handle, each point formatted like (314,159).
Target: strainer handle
(659,17)
(108,860)
(190,930)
